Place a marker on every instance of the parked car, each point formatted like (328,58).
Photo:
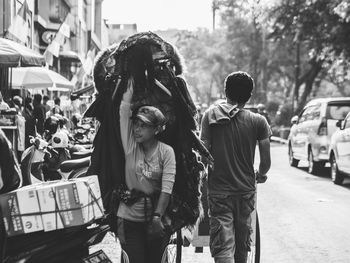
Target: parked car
(340,151)
(310,136)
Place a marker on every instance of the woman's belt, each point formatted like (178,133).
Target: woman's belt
(130,197)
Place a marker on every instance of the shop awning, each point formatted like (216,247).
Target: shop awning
(13,54)
(39,77)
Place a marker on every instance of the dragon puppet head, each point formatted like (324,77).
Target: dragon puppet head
(138,55)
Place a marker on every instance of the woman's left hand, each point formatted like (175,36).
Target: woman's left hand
(156,228)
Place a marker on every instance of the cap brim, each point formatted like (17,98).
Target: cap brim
(144,119)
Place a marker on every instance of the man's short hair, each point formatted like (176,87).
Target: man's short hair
(57,101)
(239,86)
(37,97)
(46,98)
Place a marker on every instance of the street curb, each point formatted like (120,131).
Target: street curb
(279,140)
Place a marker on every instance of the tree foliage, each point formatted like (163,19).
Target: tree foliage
(322,29)
(294,49)
(270,63)
(205,61)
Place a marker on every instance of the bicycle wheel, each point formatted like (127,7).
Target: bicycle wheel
(173,251)
(257,240)
(124,257)
(254,253)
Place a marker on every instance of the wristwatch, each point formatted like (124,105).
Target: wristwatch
(157,215)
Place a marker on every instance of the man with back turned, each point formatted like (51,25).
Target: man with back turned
(231,133)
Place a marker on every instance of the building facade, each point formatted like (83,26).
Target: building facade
(79,21)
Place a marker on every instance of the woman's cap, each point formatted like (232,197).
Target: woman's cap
(150,115)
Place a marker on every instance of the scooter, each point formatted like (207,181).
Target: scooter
(32,161)
(37,159)
(84,133)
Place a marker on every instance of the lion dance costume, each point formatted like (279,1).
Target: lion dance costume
(156,67)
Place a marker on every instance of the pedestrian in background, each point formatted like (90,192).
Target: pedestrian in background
(30,129)
(20,124)
(231,133)
(18,104)
(3,104)
(262,111)
(57,107)
(39,113)
(46,106)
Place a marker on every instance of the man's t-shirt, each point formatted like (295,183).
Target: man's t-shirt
(231,139)
(39,115)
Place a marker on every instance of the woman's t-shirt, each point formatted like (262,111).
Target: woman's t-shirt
(149,175)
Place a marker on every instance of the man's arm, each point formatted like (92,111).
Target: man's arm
(205,135)
(265,158)
(1,181)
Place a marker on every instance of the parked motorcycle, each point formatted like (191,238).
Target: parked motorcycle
(64,245)
(84,134)
(55,156)
(84,129)
(44,162)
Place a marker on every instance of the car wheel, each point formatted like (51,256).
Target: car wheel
(313,167)
(337,177)
(292,161)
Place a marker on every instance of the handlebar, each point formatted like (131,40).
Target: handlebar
(41,144)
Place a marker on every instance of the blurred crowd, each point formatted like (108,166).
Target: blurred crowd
(34,116)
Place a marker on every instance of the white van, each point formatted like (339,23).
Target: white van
(310,135)
(340,151)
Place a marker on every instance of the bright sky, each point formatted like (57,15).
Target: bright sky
(159,14)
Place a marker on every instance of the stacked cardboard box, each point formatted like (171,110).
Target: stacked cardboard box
(52,205)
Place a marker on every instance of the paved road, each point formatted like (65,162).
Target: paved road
(303,218)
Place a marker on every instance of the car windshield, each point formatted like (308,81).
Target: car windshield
(338,110)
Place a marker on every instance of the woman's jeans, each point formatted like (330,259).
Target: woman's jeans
(133,239)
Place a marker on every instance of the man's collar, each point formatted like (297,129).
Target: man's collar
(235,104)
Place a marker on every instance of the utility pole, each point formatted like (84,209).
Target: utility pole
(297,73)
(295,93)
(3,19)
(214,7)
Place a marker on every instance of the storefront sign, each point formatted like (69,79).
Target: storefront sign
(47,36)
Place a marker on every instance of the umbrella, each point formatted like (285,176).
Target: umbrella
(13,54)
(39,77)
